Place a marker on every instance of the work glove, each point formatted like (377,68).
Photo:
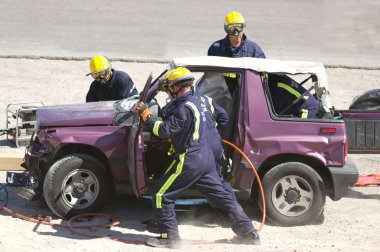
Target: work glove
(143,110)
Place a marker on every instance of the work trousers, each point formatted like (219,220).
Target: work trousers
(196,168)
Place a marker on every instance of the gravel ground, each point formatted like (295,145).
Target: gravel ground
(351,224)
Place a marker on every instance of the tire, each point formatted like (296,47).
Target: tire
(294,194)
(76,184)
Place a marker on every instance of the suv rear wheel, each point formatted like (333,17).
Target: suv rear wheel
(294,194)
(75,184)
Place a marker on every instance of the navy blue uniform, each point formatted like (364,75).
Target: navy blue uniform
(285,90)
(120,86)
(194,166)
(223,48)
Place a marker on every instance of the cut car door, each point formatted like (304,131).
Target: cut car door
(136,148)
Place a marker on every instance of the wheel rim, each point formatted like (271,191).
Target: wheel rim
(80,188)
(292,196)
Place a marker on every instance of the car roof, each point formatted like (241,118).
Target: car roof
(258,65)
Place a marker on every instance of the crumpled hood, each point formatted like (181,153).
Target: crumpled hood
(93,113)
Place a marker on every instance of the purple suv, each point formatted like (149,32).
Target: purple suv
(82,153)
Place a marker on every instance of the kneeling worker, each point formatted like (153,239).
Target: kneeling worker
(109,84)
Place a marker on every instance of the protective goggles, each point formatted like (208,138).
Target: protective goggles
(102,74)
(234,29)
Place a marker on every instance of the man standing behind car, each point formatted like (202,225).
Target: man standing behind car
(109,84)
(235,44)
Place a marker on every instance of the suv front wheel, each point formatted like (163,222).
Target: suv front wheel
(75,184)
(294,194)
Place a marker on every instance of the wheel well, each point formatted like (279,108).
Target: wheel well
(83,149)
(314,163)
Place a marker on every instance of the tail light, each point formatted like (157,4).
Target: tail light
(328,130)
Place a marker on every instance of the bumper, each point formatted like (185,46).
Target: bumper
(343,178)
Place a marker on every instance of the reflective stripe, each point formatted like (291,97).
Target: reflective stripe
(170,166)
(212,109)
(171,150)
(210,102)
(304,113)
(197,120)
(164,235)
(289,89)
(170,180)
(230,75)
(156,127)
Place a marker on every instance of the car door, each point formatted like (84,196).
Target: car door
(136,148)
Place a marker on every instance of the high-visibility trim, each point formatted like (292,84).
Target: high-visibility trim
(210,102)
(289,89)
(170,166)
(197,120)
(230,75)
(170,180)
(304,113)
(171,150)
(164,235)
(156,127)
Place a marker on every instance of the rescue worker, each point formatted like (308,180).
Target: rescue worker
(235,44)
(193,166)
(285,91)
(109,84)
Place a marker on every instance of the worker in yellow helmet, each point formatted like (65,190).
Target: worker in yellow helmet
(235,44)
(109,84)
(191,126)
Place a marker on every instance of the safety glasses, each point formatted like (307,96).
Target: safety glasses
(235,28)
(100,74)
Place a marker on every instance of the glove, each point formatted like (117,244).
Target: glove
(143,110)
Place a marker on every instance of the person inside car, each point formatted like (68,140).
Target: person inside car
(289,97)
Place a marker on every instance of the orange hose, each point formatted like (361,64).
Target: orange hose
(258,181)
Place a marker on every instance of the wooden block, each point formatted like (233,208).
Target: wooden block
(11,163)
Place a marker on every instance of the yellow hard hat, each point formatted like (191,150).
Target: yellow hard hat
(180,76)
(100,68)
(164,81)
(234,23)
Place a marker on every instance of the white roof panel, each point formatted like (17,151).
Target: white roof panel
(259,65)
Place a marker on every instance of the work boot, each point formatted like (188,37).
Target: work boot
(249,239)
(159,242)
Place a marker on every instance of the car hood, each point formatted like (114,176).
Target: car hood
(93,113)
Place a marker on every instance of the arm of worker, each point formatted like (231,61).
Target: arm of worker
(127,87)
(91,95)
(220,115)
(170,127)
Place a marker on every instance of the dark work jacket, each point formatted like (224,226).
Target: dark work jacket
(285,90)
(181,124)
(223,48)
(120,86)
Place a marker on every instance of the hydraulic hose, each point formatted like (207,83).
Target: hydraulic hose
(258,181)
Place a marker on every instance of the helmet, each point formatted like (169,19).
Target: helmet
(180,76)
(234,23)
(100,68)
(164,81)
